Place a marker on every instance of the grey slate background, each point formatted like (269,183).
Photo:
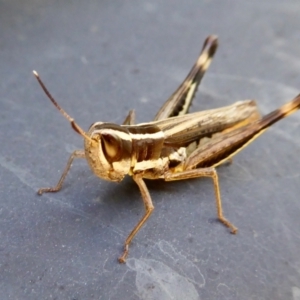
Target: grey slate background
(100,59)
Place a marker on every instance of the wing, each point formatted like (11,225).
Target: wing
(181,100)
(181,130)
(218,150)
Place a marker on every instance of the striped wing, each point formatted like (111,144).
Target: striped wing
(181,130)
(220,149)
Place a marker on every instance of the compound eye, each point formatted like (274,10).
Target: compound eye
(112,146)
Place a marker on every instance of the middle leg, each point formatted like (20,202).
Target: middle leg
(204,172)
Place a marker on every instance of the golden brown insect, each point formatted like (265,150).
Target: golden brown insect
(175,145)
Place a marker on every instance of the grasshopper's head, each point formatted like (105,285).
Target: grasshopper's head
(108,151)
(107,146)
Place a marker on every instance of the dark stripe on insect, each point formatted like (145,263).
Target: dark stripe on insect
(147,141)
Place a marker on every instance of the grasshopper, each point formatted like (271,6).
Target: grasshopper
(176,145)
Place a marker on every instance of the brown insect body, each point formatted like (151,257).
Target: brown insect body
(176,145)
(114,151)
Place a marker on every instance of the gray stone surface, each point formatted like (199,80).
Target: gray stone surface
(100,59)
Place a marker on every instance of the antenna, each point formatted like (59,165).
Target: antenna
(74,125)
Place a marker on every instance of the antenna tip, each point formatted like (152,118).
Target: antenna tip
(35,73)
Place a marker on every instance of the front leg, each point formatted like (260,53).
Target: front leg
(75,154)
(130,119)
(204,172)
(148,207)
